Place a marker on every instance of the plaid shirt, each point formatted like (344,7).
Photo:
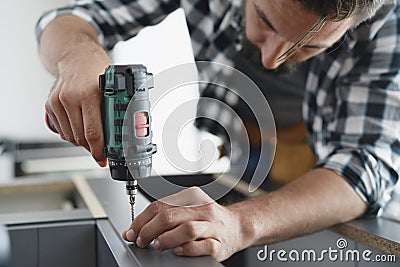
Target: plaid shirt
(352,99)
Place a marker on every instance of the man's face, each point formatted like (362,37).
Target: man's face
(275,25)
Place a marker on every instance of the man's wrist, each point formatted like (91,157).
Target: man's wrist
(248,226)
(86,53)
(67,40)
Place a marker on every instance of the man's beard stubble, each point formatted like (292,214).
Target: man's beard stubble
(253,53)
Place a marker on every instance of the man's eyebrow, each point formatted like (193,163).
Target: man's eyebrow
(263,17)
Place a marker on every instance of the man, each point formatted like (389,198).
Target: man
(351,106)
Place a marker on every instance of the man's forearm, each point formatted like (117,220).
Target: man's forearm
(314,201)
(65,38)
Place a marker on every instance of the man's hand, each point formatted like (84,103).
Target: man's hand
(74,103)
(190,223)
(70,51)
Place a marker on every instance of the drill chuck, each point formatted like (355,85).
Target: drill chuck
(131,188)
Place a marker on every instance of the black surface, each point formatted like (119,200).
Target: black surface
(188,181)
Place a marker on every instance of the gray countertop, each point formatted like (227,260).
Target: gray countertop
(379,233)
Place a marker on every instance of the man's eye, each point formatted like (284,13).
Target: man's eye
(263,23)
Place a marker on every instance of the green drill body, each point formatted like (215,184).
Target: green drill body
(126,123)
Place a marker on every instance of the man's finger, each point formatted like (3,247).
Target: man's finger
(192,196)
(148,214)
(56,108)
(203,247)
(52,119)
(93,128)
(61,118)
(75,119)
(184,233)
(166,220)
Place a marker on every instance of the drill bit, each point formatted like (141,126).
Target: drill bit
(131,190)
(132,202)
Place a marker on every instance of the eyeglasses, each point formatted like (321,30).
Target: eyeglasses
(303,40)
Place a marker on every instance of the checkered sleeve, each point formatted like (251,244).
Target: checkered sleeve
(364,137)
(114,20)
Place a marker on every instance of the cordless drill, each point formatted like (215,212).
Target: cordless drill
(127,131)
(126,124)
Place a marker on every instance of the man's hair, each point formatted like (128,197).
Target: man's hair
(336,10)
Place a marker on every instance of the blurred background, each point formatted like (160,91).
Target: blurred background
(27,147)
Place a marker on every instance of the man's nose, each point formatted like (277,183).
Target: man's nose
(271,51)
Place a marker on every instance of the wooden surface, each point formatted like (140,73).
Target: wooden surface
(377,233)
